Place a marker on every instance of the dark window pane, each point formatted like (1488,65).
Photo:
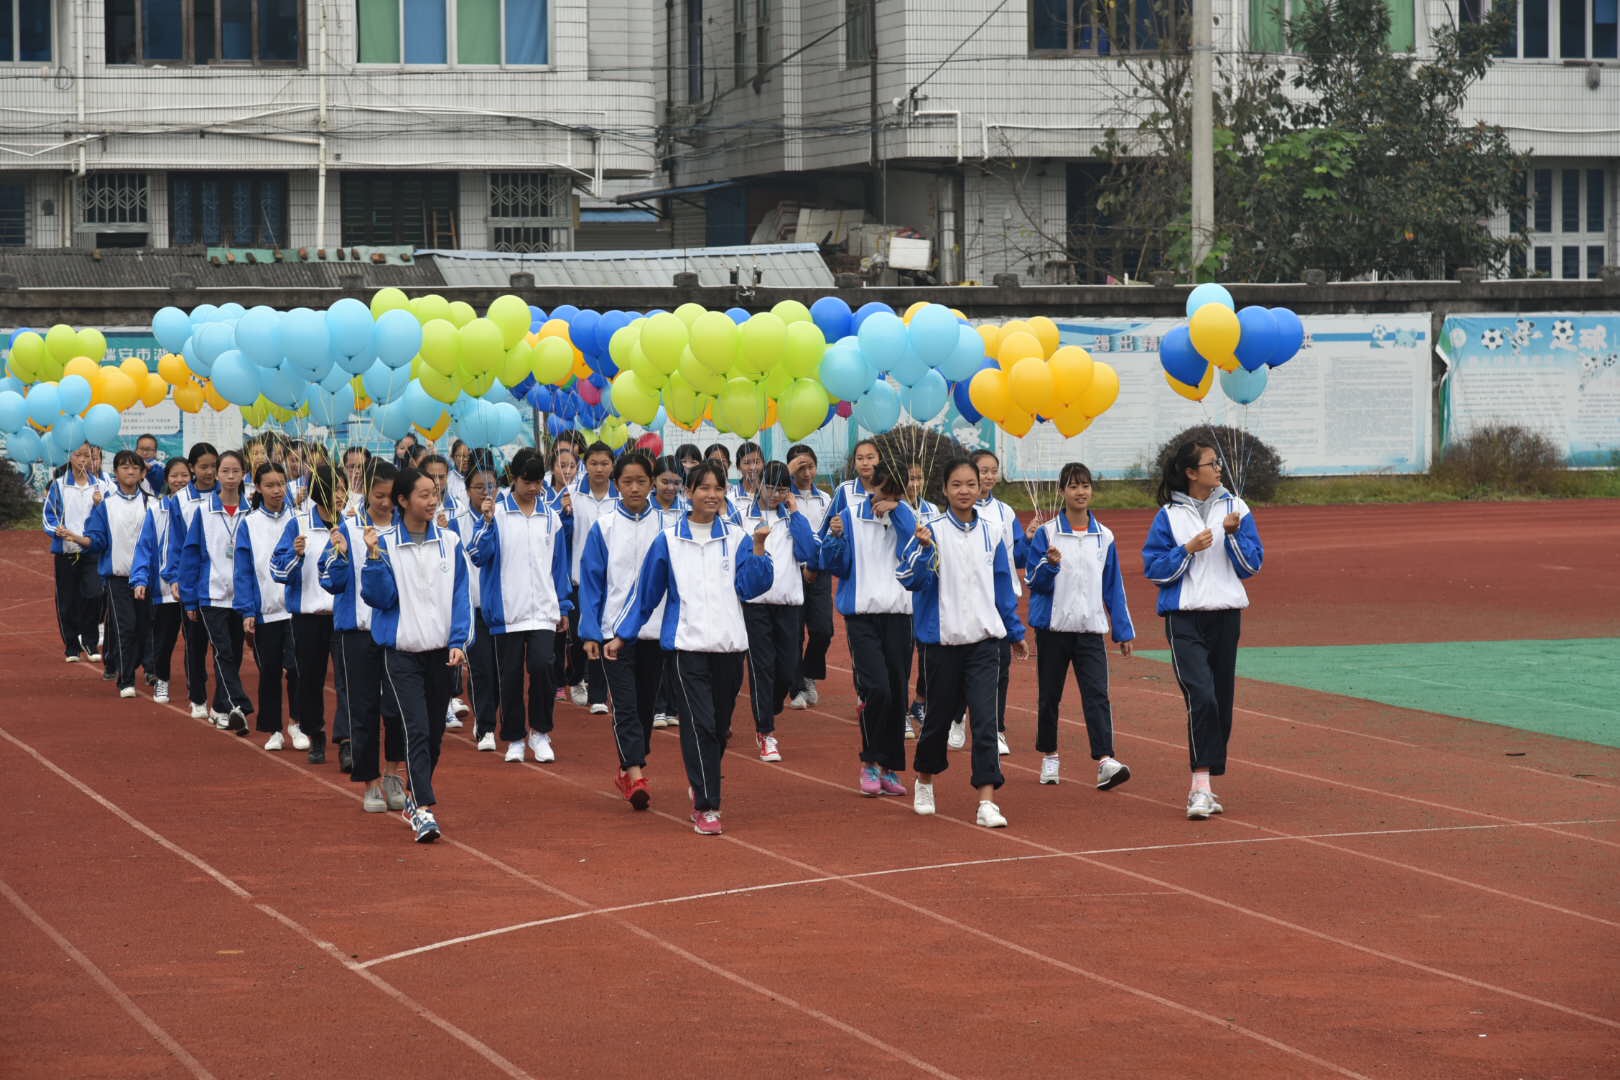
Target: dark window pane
(8,41)
(1570,216)
(212,230)
(1595,204)
(1543,200)
(408,208)
(1572,29)
(13,214)
(1536,34)
(33,30)
(1468,11)
(1544,261)
(1605,16)
(694,50)
(1594,260)
(236,29)
(121,240)
(202,44)
(278,30)
(1516,264)
(1570,258)
(182,208)
(120,31)
(161,23)
(1510,46)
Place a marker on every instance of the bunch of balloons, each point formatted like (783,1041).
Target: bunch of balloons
(1034,377)
(57,394)
(1242,344)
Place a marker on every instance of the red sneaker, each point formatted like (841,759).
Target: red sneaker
(639,794)
(707,823)
(622,782)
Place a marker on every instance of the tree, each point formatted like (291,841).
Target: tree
(1347,157)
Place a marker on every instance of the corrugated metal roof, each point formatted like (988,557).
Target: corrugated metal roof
(781,266)
(78,268)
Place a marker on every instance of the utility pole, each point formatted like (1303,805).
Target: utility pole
(1203,136)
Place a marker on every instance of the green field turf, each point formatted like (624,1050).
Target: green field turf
(1569,688)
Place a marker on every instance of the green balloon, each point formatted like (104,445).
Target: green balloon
(801,408)
(482,347)
(512,315)
(776,383)
(662,339)
(762,338)
(714,340)
(623,339)
(702,377)
(803,349)
(633,399)
(739,408)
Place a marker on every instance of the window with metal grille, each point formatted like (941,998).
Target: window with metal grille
(694,50)
(25,31)
(419,209)
(1102,28)
(113,199)
(1556,29)
(235,209)
(13,213)
(860,34)
(739,42)
(530,211)
(266,33)
(762,36)
(1569,221)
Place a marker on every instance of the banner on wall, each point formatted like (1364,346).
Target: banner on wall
(1557,374)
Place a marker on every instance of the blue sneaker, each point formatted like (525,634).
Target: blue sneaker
(427,829)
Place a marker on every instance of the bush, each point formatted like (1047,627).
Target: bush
(913,443)
(17,502)
(1250,467)
(1501,459)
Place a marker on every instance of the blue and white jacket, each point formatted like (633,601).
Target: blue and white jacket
(418,592)
(1085,593)
(523,567)
(68,504)
(792,546)
(114,532)
(208,556)
(963,585)
(300,575)
(466,525)
(340,573)
(614,553)
(1208,580)
(867,557)
(152,555)
(258,594)
(182,508)
(1005,519)
(849,493)
(815,505)
(156,480)
(587,508)
(705,571)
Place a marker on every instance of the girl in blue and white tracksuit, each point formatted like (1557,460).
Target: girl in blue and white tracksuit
(114,532)
(417,583)
(182,507)
(862,548)
(815,505)
(669,499)
(610,563)
(960,572)
(705,566)
(916,484)
(1005,520)
(775,618)
(592,496)
(68,503)
(295,566)
(1076,593)
(1203,545)
(521,550)
(261,600)
(484,682)
(147,574)
(208,589)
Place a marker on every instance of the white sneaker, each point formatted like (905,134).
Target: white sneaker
(540,747)
(1111,774)
(74,659)
(275,742)
(95,658)
(1049,769)
(922,797)
(990,816)
(911,730)
(660,720)
(451,723)
(514,751)
(1001,744)
(799,701)
(579,694)
(221,720)
(458,708)
(199,712)
(453,713)
(958,736)
(1215,801)
(486,741)
(1200,804)
(811,694)
(674,719)
(160,692)
(300,741)
(599,709)
(768,749)
(127,692)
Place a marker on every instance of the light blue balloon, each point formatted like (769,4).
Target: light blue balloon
(171,327)
(504,423)
(258,336)
(933,332)
(498,394)
(1208,293)
(349,324)
(213,340)
(384,384)
(883,339)
(313,368)
(203,313)
(236,378)
(285,385)
(304,334)
(69,433)
(101,424)
(925,399)
(1244,387)
(845,371)
(396,338)
(13,411)
(474,425)
(195,363)
(392,420)
(24,447)
(337,379)
(329,409)
(13,384)
(44,404)
(73,394)
(232,310)
(878,410)
(966,356)
(909,366)
(420,406)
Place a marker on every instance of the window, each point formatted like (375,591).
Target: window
(113,206)
(694,50)
(25,30)
(1268,23)
(1557,29)
(1569,218)
(262,32)
(739,42)
(860,31)
(13,213)
(1103,27)
(419,209)
(475,32)
(530,211)
(233,209)
(762,36)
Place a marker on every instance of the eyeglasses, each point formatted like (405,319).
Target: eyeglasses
(1209,465)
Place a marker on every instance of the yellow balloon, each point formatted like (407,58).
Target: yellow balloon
(1031,384)
(1071,373)
(1102,393)
(84,367)
(441,345)
(1215,330)
(990,393)
(189,397)
(1070,421)
(688,313)
(553,360)
(386,300)
(991,335)
(912,310)
(445,388)
(135,369)
(1046,332)
(439,427)
(153,389)
(115,388)
(1193,393)
(582,368)
(1016,346)
(215,399)
(173,370)
(1227,363)
(461,313)
(1017,423)
(92,343)
(512,315)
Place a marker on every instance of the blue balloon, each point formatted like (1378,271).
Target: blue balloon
(236,378)
(171,327)
(392,420)
(396,338)
(13,384)
(909,366)
(21,330)
(582,329)
(504,422)
(537,318)
(53,451)
(846,372)
(285,385)
(967,356)
(565,312)
(213,340)
(1244,387)
(473,424)
(69,433)
(101,424)
(13,411)
(879,408)
(422,408)
(384,384)
(925,399)
(44,404)
(203,313)
(331,408)
(73,394)
(349,325)
(1180,360)
(833,316)
(1208,293)
(737,315)
(609,324)
(335,380)
(257,335)
(566,404)
(197,364)
(497,393)
(964,404)
(24,447)
(543,398)
(883,339)
(231,311)
(866,312)
(1290,337)
(557,425)
(1258,343)
(304,333)
(934,333)
(598,381)
(522,389)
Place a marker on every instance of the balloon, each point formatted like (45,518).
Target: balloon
(236,378)
(101,425)
(284,386)
(44,404)
(1179,359)
(1190,392)
(803,349)
(925,398)
(481,348)
(1290,337)
(878,410)
(1244,387)
(537,318)
(760,341)
(990,394)
(1070,421)
(459,313)
(24,447)
(189,398)
(865,312)
(846,372)
(833,316)
(1015,346)
(73,394)
(735,314)
(1046,332)
(116,388)
(172,368)
(396,337)
(1206,294)
(634,401)
(306,334)
(392,420)
(153,389)
(713,339)
(511,315)
(964,403)
(63,342)
(1030,382)
(349,324)
(802,408)
(440,348)
(82,366)
(204,313)
(386,300)
(331,408)
(1214,331)
(92,343)
(1017,423)
(517,364)
(553,360)
(884,339)
(702,378)
(430,307)
(933,332)
(1103,391)
(1071,368)
(1258,341)
(170,326)
(662,339)
(965,357)
(383,384)
(589,393)
(609,324)
(505,421)
(688,312)
(212,341)
(13,411)
(739,408)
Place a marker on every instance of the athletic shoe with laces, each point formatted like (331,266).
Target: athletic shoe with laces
(452,724)
(660,720)
(890,783)
(296,736)
(275,742)
(458,708)
(599,709)
(1111,774)
(221,720)
(540,747)
(990,816)
(799,701)
(768,749)
(579,694)
(236,722)
(707,823)
(1049,769)
(393,789)
(373,801)
(957,738)
(199,712)
(811,694)
(514,751)
(317,752)
(562,695)
(922,797)
(911,732)
(74,659)
(486,741)
(1200,804)
(127,692)
(1215,804)
(674,719)
(160,691)
(871,782)
(95,658)
(1001,744)
(424,824)
(640,794)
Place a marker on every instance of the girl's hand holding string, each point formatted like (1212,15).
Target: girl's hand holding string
(339,542)
(611,649)
(1054,556)
(298,545)
(593,650)
(457,659)
(925,536)
(1200,542)
(761,534)
(488,509)
(836,527)
(1230,523)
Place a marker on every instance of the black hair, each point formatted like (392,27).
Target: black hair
(688,450)
(433,459)
(128,457)
(873,443)
(798,449)
(258,478)
(240,460)
(633,457)
(200,451)
(775,474)
(415,455)
(958,463)
(1174,476)
(531,469)
(365,455)
(709,450)
(323,488)
(520,459)
(379,471)
(1072,473)
(748,448)
(980,454)
(885,480)
(574,439)
(667,464)
(405,483)
(597,447)
(705,468)
(147,435)
(168,470)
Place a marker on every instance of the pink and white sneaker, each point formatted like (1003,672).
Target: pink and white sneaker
(890,783)
(871,782)
(707,823)
(768,748)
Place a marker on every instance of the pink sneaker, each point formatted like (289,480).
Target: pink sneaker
(707,823)
(891,783)
(871,783)
(562,694)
